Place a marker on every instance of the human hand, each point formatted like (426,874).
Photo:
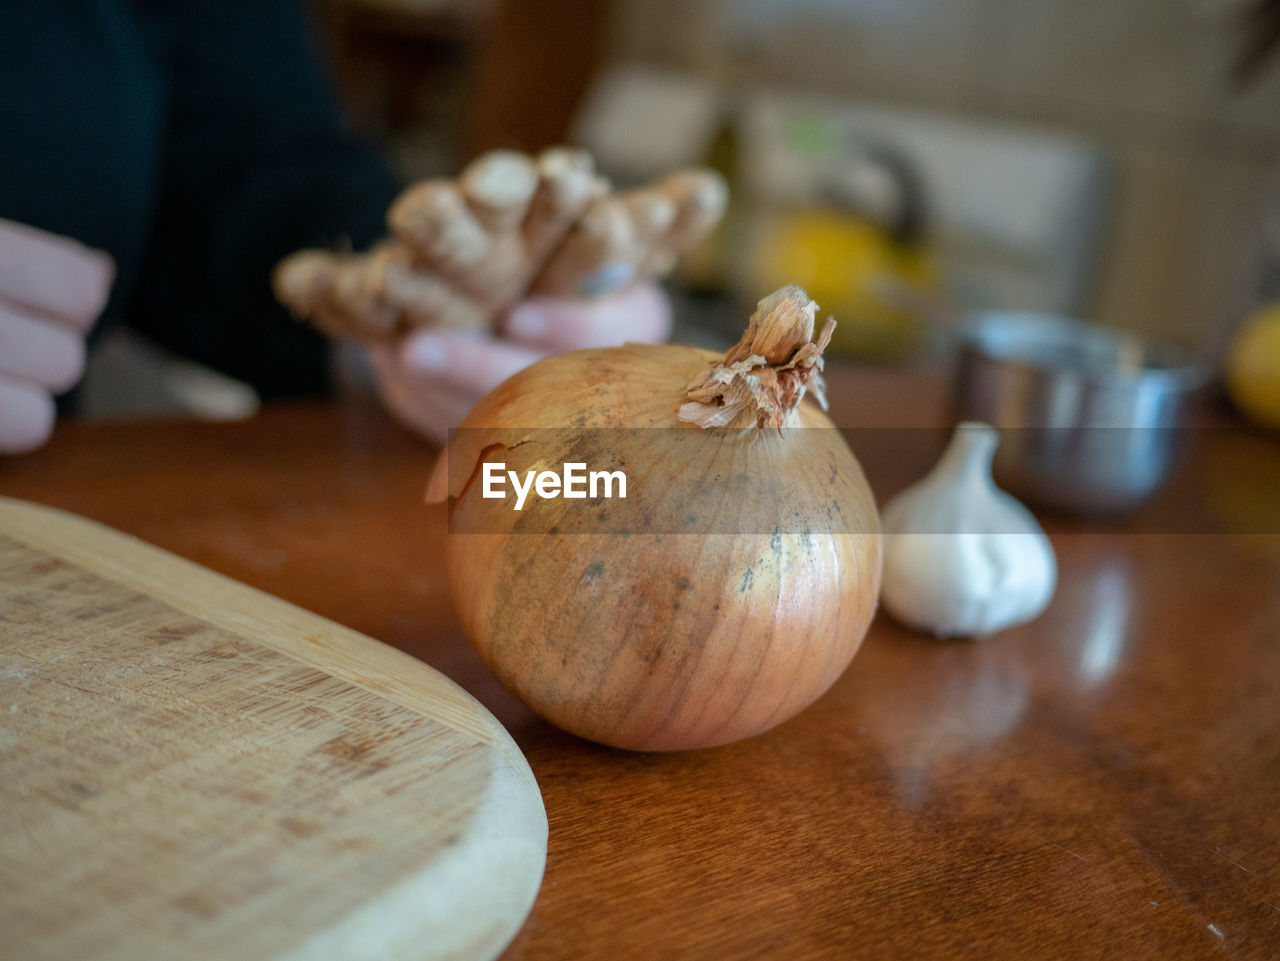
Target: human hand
(52,289)
(431,379)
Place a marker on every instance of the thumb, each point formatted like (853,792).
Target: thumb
(640,313)
(469,364)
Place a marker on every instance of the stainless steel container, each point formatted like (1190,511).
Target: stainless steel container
(1089,416)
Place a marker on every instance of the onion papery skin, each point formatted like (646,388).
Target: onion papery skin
(663,641)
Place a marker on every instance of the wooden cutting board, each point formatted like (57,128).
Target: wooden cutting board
(190,768)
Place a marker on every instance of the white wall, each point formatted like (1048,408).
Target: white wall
(1144,79)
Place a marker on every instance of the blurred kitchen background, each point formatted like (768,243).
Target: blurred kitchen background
(904,160)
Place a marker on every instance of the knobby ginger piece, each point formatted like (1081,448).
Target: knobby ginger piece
(464,251)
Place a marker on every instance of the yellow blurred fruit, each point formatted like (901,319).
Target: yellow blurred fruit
(1253,367)
(853,269)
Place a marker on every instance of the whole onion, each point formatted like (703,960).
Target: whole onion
(610,618)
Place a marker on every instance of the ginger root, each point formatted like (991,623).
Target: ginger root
(462,252)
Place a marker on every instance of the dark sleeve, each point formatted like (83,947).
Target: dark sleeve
(257,163)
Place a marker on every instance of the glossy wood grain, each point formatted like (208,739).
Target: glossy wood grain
(1101,783)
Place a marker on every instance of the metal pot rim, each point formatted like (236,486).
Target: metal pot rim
(1054,344)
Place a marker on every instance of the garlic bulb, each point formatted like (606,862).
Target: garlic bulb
(962,557)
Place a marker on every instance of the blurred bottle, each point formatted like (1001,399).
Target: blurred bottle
(861,249)
(711,267)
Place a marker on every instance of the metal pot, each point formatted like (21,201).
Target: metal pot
(1089,416)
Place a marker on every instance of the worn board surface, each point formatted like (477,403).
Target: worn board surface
(190,768)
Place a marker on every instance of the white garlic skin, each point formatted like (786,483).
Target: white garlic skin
(962,558)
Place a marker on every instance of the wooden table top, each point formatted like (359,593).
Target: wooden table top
(1101,783)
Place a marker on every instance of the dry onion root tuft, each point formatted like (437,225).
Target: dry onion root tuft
(763,378)
(632,633)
